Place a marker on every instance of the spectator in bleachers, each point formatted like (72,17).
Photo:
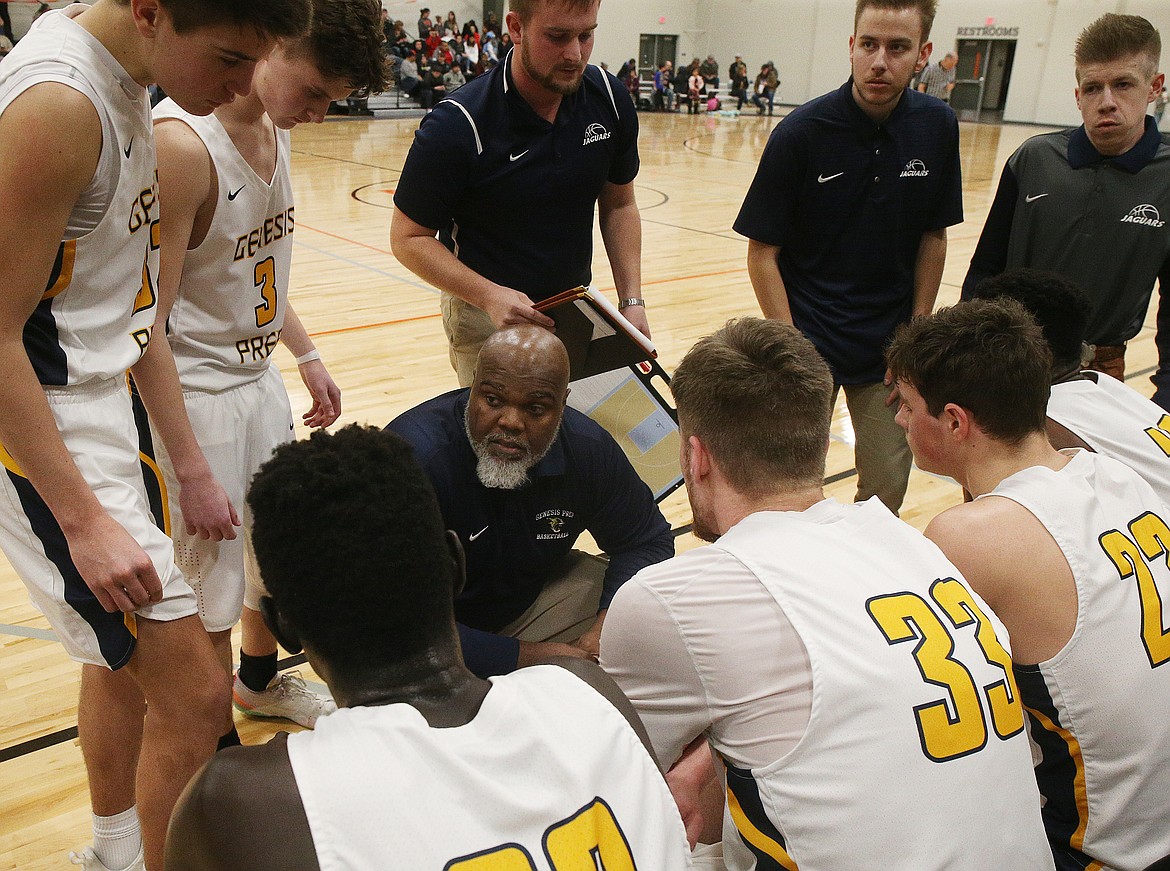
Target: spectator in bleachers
(424,23)
(737,78)
(504,45)
(628,76)
(433,88)
(409,77)
(6,22)
(694,87)
(664,86)
(488,51)
(454,79)
(471,45)
(490,22)
(709,70)
(450,25)
(765,88)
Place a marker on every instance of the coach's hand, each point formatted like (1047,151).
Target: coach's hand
(114,566)
(507,307)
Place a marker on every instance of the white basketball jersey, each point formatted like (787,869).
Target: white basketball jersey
(95,317)
(227,318)
(914,756)
(1100,709)
(1117,421)
(547,776)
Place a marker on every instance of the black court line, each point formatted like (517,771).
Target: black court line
(61,736)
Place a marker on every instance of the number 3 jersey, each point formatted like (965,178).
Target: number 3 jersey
(547,776)
(227,318)
(1100,709)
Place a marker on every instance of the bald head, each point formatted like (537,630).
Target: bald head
(516,402)
(527,351)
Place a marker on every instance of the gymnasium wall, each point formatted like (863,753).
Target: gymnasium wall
(809,40)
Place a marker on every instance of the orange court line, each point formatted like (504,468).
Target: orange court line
(385,251)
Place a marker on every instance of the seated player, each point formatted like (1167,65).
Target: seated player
(1085,410)
(223,307)
(907,750)
(1069,550)
(519,477)
(424,766)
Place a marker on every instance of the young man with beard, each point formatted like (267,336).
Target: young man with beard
(519,476)
(552,137)
(847,220)
(79,231)
(223,307)
(907,750)
(1069,549)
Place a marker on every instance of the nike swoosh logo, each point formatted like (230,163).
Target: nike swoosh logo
(1033,199)
(128,147)
(824,178)
(518,156)
(233,194)
(472,538)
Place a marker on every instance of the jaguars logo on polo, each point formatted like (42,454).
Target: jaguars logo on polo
(915,169)
(1146,215)
(552,522)
(595,133)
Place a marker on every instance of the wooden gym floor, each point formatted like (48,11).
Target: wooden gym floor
(378,330)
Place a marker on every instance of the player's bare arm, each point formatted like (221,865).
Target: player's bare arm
(254,789)
(1011,560)
(326,394)
(621,231)
(764,273)
(418,250)
(185,191)
(50,141)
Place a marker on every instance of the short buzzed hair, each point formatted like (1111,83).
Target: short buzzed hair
(760,398)
(525,8)
(1113,36)
(926,11)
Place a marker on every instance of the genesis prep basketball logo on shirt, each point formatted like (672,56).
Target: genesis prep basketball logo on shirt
(595,133)
(915,169)
(1144,214)
(552,524)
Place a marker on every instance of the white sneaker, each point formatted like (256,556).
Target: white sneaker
(286,697)
(88,859)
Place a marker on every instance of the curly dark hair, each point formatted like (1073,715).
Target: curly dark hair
(1060,308)
(351,546)
(345,42)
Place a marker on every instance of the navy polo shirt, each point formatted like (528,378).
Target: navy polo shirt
(512,195)
(514,539)
(847,201)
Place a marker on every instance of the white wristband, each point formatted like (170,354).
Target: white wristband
(309,357)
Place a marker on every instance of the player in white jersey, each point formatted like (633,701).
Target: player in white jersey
(1069,549)
(79,234)
(223,302)
(424,765)
(1104,415)
(852,684)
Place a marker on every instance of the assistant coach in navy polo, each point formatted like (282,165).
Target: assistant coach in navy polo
(495,203)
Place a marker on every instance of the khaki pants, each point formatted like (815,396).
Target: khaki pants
(567,606)
(467,328)
(881,454)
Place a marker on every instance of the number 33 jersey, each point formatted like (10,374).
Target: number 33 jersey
(227,318)
(914,757)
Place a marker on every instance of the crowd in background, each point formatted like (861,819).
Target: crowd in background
(698,85)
